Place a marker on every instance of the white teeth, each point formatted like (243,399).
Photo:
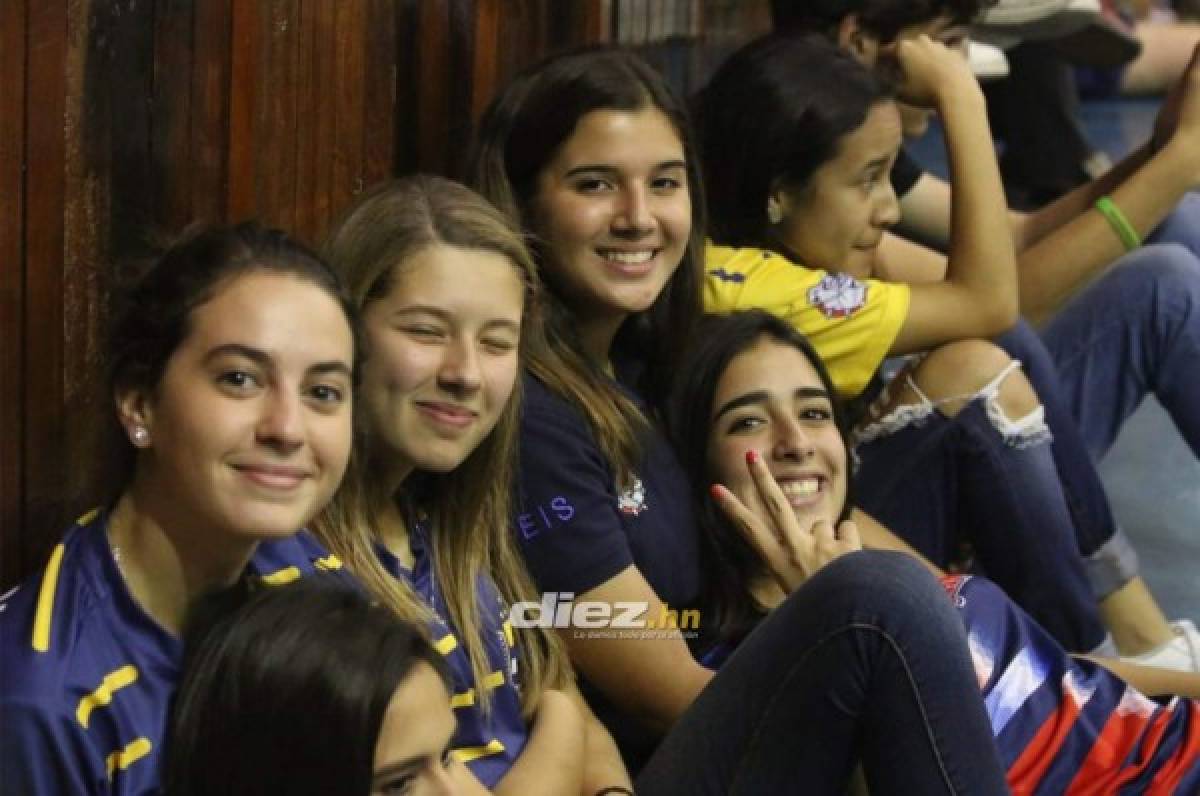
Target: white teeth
(628,258)
(807,486)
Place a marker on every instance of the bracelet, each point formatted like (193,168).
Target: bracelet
(1130,239)
(614,789)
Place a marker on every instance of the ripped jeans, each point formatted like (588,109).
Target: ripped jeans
(990,481)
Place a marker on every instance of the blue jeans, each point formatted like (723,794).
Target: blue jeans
(939,482)
(1182,225)
(1133,331)
(866,662)
(1111,560)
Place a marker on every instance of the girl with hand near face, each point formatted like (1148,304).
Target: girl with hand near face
(591,152)
(798,140)
(308,689)
(231,365)
(447,291)
(753,385)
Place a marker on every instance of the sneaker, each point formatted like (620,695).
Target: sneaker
(1106,42)
(1011,21)
(987,62)
(1182,653)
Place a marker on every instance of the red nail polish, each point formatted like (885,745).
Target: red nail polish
(715,491)
(751,457)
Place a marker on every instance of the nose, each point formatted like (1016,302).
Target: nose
(887,209)
(633,217)
(459,372)
(792,442)
(281,425)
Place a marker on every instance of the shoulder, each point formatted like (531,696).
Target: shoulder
(44,621)
(284,560)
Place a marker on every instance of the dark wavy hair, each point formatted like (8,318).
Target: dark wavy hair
(730,563)
(285,688)
(521,132)
(152,316)
(884,18)
(772,115)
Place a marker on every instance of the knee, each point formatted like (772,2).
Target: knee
(1166,269)
(957,373)
(878,582)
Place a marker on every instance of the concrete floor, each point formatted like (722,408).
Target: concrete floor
(1151,475)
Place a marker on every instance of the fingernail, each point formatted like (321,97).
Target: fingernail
(715,491)
(751,457)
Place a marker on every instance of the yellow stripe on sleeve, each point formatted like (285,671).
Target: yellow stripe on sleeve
(285,575)
(87,517)
(464,700)
(508,634)
(113,681)
(329,562)
(446,644)
(45,603)
(493,680)
(124,758)
(468,753)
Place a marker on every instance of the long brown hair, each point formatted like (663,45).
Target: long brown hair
(519,134)
(468,508)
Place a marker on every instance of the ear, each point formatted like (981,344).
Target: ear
(858,41)
(135,412)
(779,202)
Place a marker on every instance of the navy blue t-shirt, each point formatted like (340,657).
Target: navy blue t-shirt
(488,743)
(86,676)
(577,529)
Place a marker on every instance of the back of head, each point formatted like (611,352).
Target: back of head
(772,114)
(884,18)
(284,691)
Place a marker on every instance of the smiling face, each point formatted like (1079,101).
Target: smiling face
(412,751)
(442,356)
(771,400)
(250,424)
(846,206)
(614,212)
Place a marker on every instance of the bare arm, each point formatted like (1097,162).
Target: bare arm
(603,766)
(978,297)
(655,679)
(552,760)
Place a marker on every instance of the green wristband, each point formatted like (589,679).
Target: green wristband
(1130,239)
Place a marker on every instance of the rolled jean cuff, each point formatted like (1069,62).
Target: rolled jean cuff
(1114,564)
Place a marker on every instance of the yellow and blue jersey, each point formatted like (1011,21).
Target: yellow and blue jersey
(851,322)
(86,676)
(488,743)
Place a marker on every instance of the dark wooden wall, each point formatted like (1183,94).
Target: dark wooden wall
(121,121)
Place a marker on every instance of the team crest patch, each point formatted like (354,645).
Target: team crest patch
(838,295)
(633,500)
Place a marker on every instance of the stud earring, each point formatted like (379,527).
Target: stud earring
(140,436)
(774,211)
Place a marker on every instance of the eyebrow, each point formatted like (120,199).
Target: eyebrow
(407,766)
(438,312)
(761,396)
(263,359)
(877,163)
(608,169)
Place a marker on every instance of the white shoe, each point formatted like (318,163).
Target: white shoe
(1181,653)
(987,62)
(1012,21)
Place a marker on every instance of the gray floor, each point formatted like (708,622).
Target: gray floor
(1153,480)
(1152,477)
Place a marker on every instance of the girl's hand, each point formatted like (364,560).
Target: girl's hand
(928,72)
(791,552)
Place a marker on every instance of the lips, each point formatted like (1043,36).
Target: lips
(629,262)
(802,491)
(273,476)
(447,414)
